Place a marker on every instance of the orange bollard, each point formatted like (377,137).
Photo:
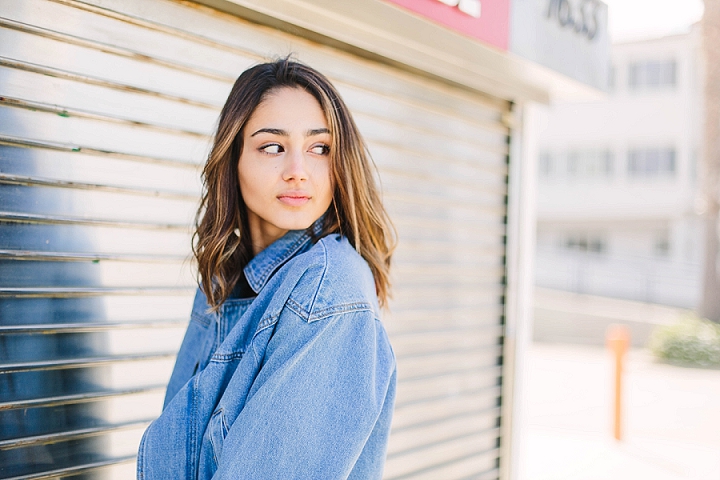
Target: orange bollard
(618,341)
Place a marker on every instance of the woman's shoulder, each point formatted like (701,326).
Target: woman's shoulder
(335,279)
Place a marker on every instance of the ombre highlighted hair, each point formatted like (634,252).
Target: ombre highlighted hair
(356,211)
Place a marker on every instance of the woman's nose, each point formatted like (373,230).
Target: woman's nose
(295,166)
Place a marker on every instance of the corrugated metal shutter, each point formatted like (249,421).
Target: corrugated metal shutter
(105,111)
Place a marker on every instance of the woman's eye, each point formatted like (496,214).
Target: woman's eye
(273,148)
(320,149)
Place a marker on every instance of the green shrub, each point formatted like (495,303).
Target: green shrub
(692,341)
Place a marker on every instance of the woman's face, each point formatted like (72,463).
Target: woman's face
(284,166)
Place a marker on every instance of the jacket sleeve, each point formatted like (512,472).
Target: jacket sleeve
(321,396)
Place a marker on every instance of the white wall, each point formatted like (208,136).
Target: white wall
(599,211)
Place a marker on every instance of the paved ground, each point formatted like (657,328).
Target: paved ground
(672,428)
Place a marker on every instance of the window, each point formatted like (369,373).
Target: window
(652,74)
(546,164)
(590,163)
(585,242)
(576,164)
(651,162)
(611,78)
(662,244)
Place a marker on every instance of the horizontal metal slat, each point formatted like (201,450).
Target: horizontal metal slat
(74,292)
(486,184)
(437,296)
(488,317)
(386,130)
(436,408)
(31,255)
(82,169)
(53,34)
(445,340)
(25,217)
(414,206)
(228,32)
(66,435)
(95,242)
(94,274)
(449,361)
(127,140)
(453,192)
(491,161)
(152,40)
(437,253)
(95,205)
(6,368)
(447,271)
(16,141)
(448,385)
(63,111)
(75,470)
(10,179)
(494,208)
(418,114)
(471,467)
(480,257)
(54,328)
(427,434)
(91,80)
(111,68)
(107,101)
(405,220)
(76,398)
(414,462)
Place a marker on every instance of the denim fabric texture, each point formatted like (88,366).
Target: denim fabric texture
(295,383)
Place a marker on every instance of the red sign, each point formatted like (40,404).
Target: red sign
(485,20)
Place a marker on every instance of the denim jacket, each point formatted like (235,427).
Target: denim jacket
(295,383)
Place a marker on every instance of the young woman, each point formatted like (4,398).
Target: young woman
(285,371)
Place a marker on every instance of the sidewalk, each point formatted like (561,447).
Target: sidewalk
(672,418)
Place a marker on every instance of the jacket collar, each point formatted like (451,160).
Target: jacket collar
(259,270)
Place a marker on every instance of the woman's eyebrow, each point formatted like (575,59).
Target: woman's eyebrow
(274,131)
(316,131)
(283,133)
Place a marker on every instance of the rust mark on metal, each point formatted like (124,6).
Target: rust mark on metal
(64,112)
(31,143)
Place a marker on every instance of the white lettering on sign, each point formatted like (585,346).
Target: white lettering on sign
(581,16)
(468,7)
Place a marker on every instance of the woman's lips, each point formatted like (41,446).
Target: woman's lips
(294,199)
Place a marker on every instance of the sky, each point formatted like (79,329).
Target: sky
(639,19)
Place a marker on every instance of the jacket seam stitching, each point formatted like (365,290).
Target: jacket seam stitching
(322,279)
(295,307)
(262,325)
(226,357)
(340,309)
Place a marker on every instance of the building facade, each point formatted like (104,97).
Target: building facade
(618,191)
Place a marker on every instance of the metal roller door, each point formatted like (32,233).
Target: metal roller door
(106,111)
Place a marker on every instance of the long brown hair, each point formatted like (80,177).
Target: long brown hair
(356,210)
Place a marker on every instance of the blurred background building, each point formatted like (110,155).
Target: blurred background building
(618,190)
